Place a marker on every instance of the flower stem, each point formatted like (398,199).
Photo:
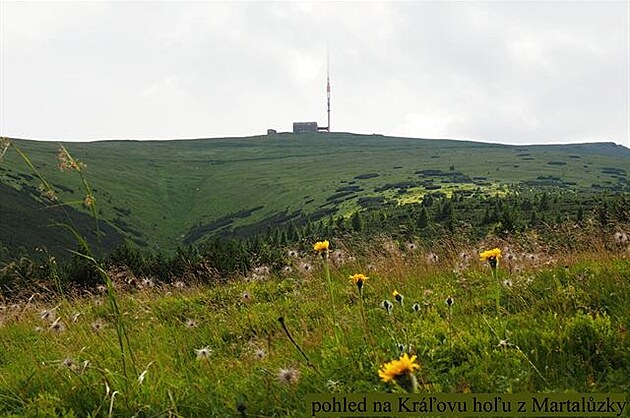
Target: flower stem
(498,286)
(296,345)
(450,326)
(368,335)
(332,297)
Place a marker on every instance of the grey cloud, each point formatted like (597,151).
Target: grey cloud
(506,72)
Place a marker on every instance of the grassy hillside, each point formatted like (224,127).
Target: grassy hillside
(221,351)
(166,193)
(250,328)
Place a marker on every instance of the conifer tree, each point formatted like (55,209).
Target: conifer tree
(357,222)
(423,218)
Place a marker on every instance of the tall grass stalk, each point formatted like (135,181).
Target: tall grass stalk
(505,332)
(359,281)
(90,200)
(366,327)
(68,162)
(47,189)
(495,277)
(449,304)
(121,332)
(297,346)
(54,274)
(332,296)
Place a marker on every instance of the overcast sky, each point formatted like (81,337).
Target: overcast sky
(509,72)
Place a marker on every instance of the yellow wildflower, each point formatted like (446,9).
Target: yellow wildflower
(321,246)
(358,278)
(396,369)
(490,255)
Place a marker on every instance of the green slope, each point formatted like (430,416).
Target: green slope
(166,193)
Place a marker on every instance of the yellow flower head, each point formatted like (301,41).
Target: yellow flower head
(396,369)
(490,255)
(358,278)
(321,246)
(395,293)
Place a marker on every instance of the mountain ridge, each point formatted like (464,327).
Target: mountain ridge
(162,194)
(461,140)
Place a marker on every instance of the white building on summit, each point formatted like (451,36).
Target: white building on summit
(304,127)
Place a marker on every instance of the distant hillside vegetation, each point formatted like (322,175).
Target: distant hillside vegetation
(163,194)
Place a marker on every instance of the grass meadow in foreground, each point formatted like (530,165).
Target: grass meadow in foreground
(223,351)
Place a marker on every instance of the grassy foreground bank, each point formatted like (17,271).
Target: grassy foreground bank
(222,351)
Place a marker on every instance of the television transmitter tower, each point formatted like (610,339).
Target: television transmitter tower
(328,90)
(327,127)
(306,127)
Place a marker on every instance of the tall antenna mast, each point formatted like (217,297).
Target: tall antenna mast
(327,127)
(328,86)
